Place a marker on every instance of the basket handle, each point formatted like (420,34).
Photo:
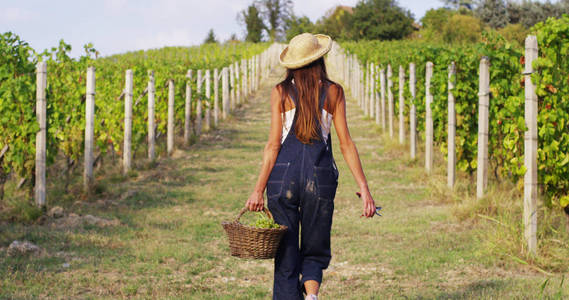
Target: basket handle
(244,209)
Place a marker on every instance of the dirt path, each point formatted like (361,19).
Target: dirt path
(170,242)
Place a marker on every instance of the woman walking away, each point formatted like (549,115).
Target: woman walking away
(298,168)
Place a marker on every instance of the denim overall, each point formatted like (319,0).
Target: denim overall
(301,189)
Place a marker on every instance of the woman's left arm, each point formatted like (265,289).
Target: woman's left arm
(256,201)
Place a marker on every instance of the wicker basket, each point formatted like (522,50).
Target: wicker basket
(251,242)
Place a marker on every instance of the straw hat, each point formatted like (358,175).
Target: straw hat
(304,49)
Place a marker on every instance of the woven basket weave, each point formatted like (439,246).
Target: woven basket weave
(251,242)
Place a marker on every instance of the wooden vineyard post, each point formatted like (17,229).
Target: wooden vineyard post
(41,135)
(366,90)
(382,85)
(207,100)
(257,75)
(451,167)
(188,109)
(250,77)
(530,148)
(215,97)
(224,92)
(237,85)
(371,94)
(170,125)
(127,122)
(401,105)
(483,104)
(89,128)
(390,99)
(151,130)
(244,78)
(199,104)
(412,113)
(428,118)
(232,88)
(376,97)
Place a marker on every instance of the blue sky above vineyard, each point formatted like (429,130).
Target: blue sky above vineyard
(115,26)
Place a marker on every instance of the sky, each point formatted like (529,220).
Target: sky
(116,26)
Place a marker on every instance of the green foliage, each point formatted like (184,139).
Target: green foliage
(262,221)
(17,105)
(514,33)
(275,14)
(380,20)
(336,23)
(552,80)
(506,126)
(493,13)
(253,24)
(297,25)
(462,29)
(528,12)
(66,81)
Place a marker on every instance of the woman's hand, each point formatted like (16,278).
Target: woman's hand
(255,201)
(368,202)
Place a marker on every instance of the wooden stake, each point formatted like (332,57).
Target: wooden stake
(483,104)
(215,97)
(232,88)
(225,91)
(188,109)
(530,148)
(390,99)
(428,119)
(207,100)
(170,127)
(377,105)
(127,156)
(451,156)
(412,113)
(199,104)
(237,85)
(151,126)
(89,128)
(41,105)
(383,111)
(401,105)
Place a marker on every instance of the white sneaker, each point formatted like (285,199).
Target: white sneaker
(311,297)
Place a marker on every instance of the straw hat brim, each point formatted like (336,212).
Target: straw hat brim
(325,44)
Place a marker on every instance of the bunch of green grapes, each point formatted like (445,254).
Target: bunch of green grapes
(264,222)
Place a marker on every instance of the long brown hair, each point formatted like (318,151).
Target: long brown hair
(306,81)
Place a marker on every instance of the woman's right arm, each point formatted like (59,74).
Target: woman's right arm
(255,202)
(349,150)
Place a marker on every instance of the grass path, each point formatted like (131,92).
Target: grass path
(170,242)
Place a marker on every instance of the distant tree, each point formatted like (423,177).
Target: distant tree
(297,25)
(275,14)
(233,37)
(514,33)
(210,38)
(462,29)
(528,13)
(254,25)
(336,22)
(436,18)
(380,19)
(493,13)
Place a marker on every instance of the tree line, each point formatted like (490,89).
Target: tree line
(458,21)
